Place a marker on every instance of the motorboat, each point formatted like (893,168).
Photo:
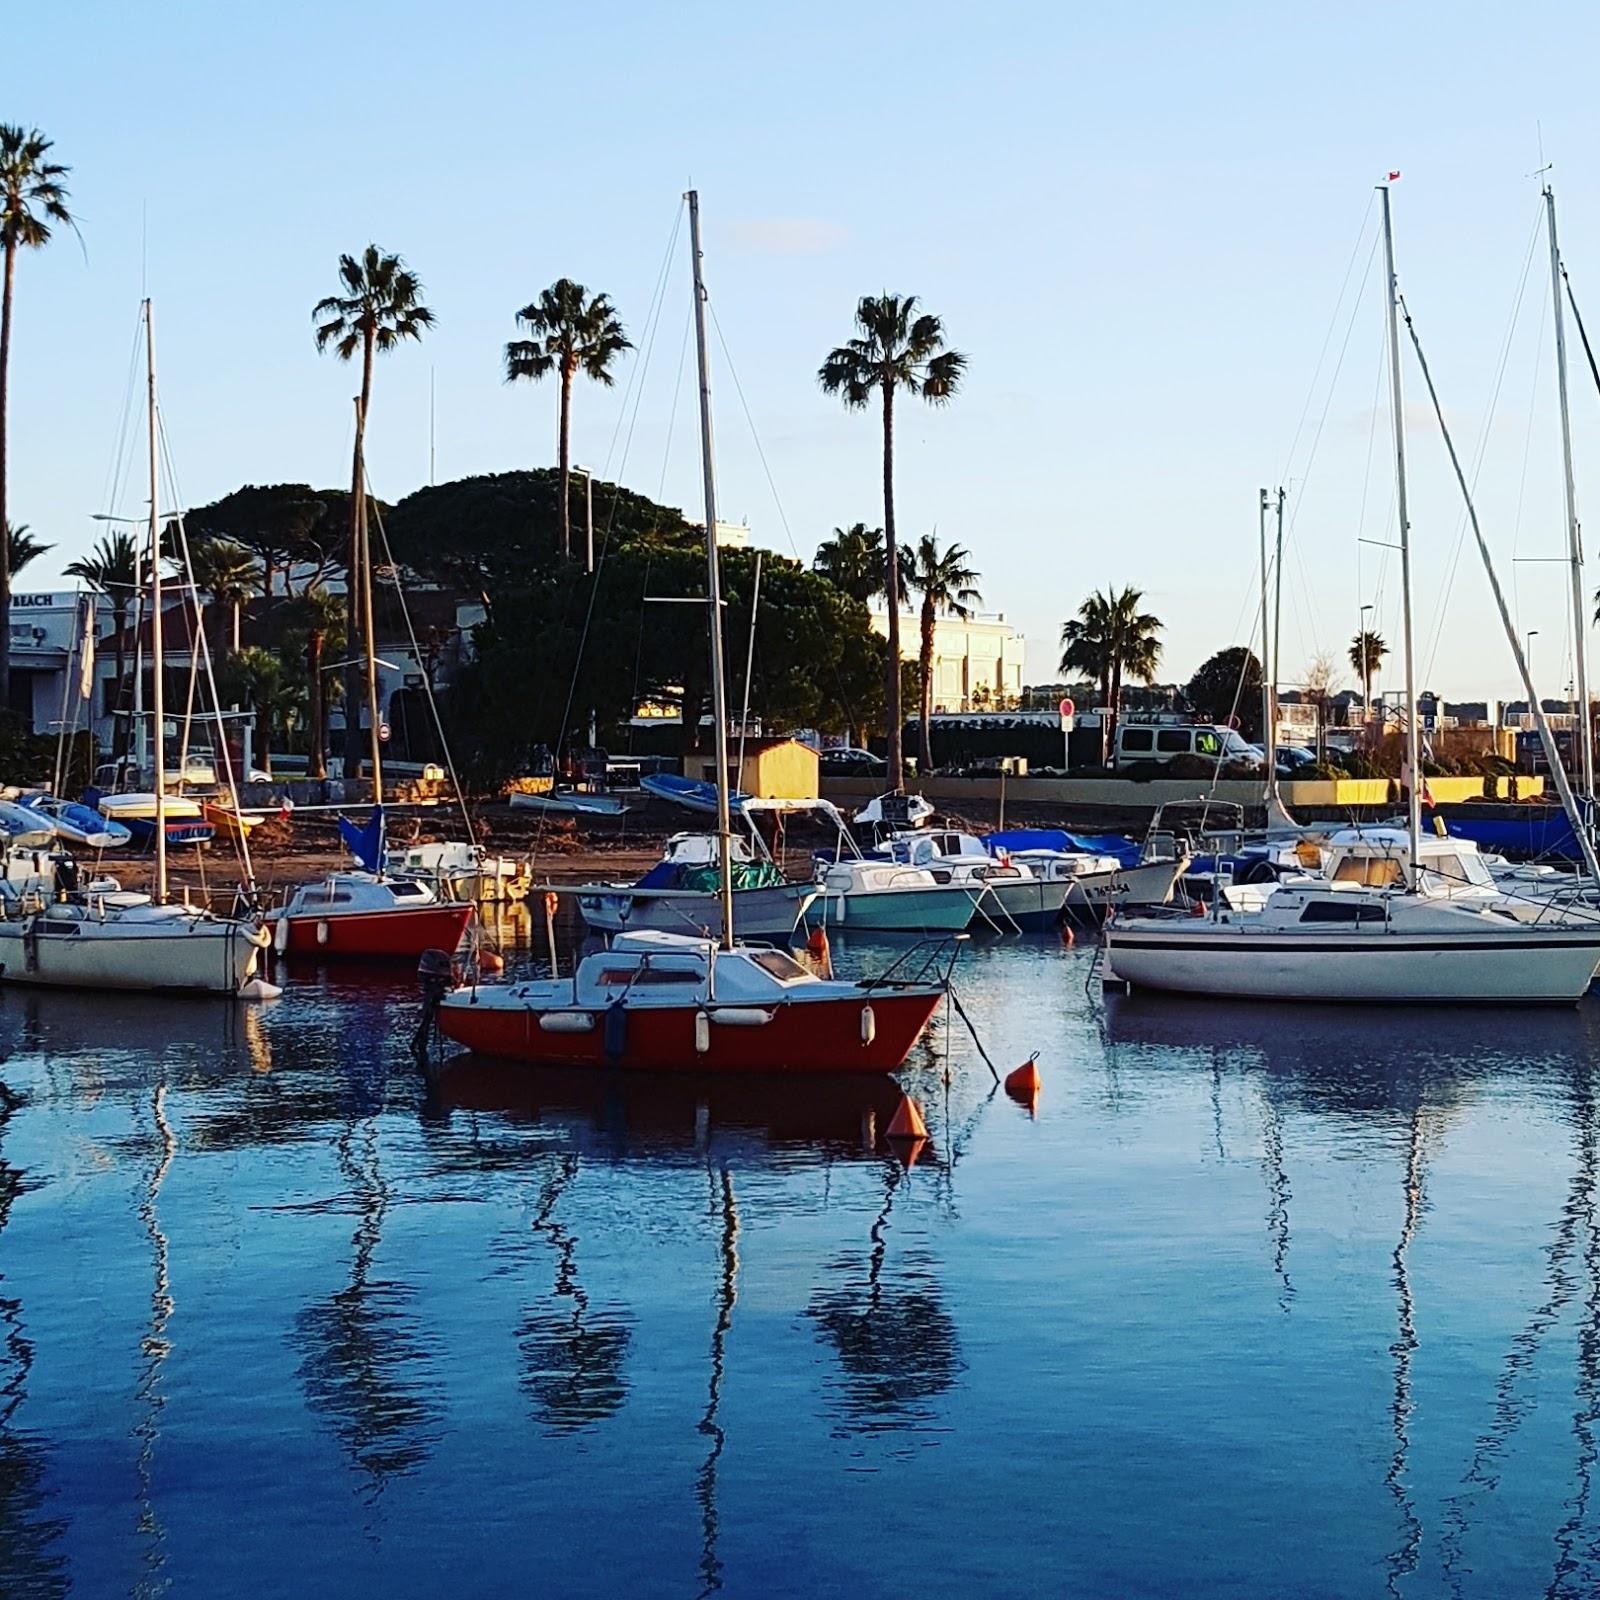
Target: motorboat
(1006,896)
(185,820)
(894,810)
(570,803)
(79,824)
(664,1002)
(124,942)
(1101,871)
(1343,941)
(681,894)
(890,897)
(458,870)
(365,914)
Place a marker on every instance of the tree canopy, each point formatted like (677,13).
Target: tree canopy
(1228,685)
(295,532)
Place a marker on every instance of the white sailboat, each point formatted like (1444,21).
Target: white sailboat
(131,942)
(1343,940)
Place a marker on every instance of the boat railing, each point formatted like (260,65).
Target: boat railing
(929,960)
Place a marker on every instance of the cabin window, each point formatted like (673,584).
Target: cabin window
(1137,739)
(1174,741)
(1341,911)
(1373,872)
(1448,870)
(336,897)
(779,965)
(621,977)
(402,889)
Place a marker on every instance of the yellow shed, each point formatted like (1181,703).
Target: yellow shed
(774,769)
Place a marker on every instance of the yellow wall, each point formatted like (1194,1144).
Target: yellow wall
(786,771)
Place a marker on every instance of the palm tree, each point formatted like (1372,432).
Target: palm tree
(947,584)
(255,676)
(894,349)
(1367,651)
(112,568)
(1109,638)
(22,547)
(227,573)
(380,306)
(318,617)
(852,561)
(572,331)
(33,195)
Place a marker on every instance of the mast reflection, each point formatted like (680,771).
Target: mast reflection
(727,1295)
(154,1348)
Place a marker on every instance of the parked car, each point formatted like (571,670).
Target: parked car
(1141,742)
(1290,758)
(847,762)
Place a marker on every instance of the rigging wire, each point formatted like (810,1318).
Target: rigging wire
(1527,452)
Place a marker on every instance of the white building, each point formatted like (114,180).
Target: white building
(976,662)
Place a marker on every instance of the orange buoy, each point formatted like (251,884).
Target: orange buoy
(907,1122)
(1068,937)
(1025,1080)
(1197,908)
(908,1150)
(817,944)
(490,961)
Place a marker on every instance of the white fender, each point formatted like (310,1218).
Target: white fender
(323,931)
(740,1017)
(702,1033)
(280,936)
(869,1025)
(566,1022)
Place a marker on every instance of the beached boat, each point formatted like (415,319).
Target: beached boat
(689,793)
(78,824)
(185,821)
(570,803)
(361,914)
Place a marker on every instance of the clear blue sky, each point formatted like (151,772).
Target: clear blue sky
(1135,220)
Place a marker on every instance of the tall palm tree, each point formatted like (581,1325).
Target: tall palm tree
(227,573)
(571,331)
(948,585)
(22,547)
(1367,651)
(1109,638)
(895,348)
(318,618)
(112,568)
(852,561)
(381,305)
(33,195)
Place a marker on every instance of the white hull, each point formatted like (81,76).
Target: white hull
(167,950)
(1149,884)
(1530,966)
(757,913)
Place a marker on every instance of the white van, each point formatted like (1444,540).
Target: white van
(1146,741)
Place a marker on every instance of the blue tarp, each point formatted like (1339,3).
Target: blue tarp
(1095,844)
(1545,832)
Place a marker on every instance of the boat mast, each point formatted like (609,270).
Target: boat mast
(1266,669)
(370,642)
(1277,639)
(719,688)
(1413,753)
(157,652)
(1580,618)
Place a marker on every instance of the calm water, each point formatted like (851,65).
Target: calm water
(1261,1302)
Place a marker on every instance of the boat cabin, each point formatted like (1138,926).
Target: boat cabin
(1377,858)
(347,893)
(666,968)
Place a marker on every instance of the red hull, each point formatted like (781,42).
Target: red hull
(815,1037)
(403,932)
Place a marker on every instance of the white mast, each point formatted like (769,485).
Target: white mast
(1413,754)
(719,689)
(1267,731)
(157,653)
(1580,618)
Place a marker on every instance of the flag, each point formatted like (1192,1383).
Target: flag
(86,653)
(1426,795)
(366,843)
(1394,177)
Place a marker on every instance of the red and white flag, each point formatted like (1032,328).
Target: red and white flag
(1394,177)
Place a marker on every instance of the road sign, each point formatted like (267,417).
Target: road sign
(383,733)
(1067,709)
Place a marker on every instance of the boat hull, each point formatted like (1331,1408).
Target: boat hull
(393,934)
(817,1037)
(563,804)
(1149,884)
(771,913)
(201,957)
(937,910)
(1375,967)
(1030,903)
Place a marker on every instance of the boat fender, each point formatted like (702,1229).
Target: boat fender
(869,1025)
(572,1022)
(323,931)
(616,1030)
(280,936)
(740,1017)
(702,1033)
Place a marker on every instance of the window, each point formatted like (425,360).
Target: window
(1372,872)
(1341,911)
(1134,739)
(403,889)
(639,976)
(1206,742)
(1175,741)
(779,965)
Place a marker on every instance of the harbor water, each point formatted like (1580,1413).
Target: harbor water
(1255,1301)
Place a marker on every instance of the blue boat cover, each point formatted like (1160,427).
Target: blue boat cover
(365,843)
(1545,832)
(1096,844)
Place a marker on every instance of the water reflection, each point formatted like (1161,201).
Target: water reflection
(572,1354)
(365,1364)
(154,1348)
(1403,1558)
(710,1424)
(897,1345)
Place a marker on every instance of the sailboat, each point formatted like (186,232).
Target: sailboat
(117,941)
(658,1001)
(367,913)
(1365,941)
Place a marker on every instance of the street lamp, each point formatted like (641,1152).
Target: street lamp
(588,517)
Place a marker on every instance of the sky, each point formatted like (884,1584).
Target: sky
(1151,228)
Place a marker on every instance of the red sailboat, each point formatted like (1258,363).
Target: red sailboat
(362,914)
(660,1001)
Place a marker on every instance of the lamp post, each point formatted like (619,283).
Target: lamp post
(588,517)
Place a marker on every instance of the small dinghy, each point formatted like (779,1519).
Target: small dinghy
(80,825)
